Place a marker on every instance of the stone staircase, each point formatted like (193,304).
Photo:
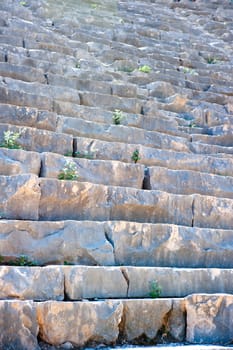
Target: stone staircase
(138,249)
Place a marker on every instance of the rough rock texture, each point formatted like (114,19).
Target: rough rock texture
(56,242)
(19,189)
(14,162)
(32,283)
(82,282)
(96,171)
(88,322)
(209,318)
(18,325)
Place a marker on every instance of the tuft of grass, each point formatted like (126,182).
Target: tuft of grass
(117,117)
(22,260)
(155,289)
(145,69)
(69,171)
(10,140)
(135,156)
(211,60)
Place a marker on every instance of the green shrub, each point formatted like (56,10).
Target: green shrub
(10,140)
(22,260)
(155,289)
(69,171)
(117,116)
(135,156)
(145,69)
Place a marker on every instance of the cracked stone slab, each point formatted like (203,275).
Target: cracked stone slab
(33,283)
(209,318)
(83,282)
(46,242)
(79,323)
(19,189)
(14,162)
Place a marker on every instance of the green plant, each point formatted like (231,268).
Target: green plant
(1,259)
(117,116)
(211,60)
(155,289)
(87,155)
(23,3)
(126,69)
(22,260)
(78,65)
(145,69)
(69,171)
(135,156)
(10,140)
(187,70)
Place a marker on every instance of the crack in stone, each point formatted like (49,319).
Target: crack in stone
(126,277)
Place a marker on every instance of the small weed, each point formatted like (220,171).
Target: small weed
(1,259)
(126,69)
(69,171)
(211,60)
(135,156)
(10,140)
(145,69)
(67,263)
(187,70)
(117,116)
(155,289)
(23,3)
(78,65)
(192,125)
(94,6)
(87,155)
(22,260)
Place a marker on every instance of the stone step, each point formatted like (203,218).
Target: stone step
(120,133)
(225,140)
(112,173)
(24,73)
(118,321)
(188,182)
(214,164)
(37,140)
(94,282)
(115,243)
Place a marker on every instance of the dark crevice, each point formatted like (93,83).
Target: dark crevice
(146,185)
(142,110)
(6,57)
(23,44)
(81,99)
(109,239)
(46,78)
(111,91)
(41,168)
(192,223)
(75,147)
(126,277)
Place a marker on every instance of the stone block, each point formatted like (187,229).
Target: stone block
(209,318)
(80,323)
(22,73)
(14,162)
(170,245)
(18,325)
(86,282)
(81,200)
(17,190)
(96,171)
(213,212)
(46,242)
(32,283)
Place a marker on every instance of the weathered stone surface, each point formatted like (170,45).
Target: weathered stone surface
(56,242)
(26,116)
(189,182)
(22,73)
(96,171)
(158,157)
(17,190)
(213,212)
(14,162)
(82,200)
(82,282)
(169,245)
(140,320)
(209,318)
(33,283)
(222,140)
(199,281)
(18,325)
(79,322)
(32,139)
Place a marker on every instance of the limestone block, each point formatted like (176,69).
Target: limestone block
(18,325)
(33,283)
(221,140)
(26,116)
(209,318)
(37,140)
(25,73)
(56,242)
(209,149)
(144,317)
(14,162)
(130,105)
(82,200)
(96,171)
(79,323)
(161,89)
(82,282)
(213,212)
(189,182)
(170,245)
(177,282)
(20,196)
